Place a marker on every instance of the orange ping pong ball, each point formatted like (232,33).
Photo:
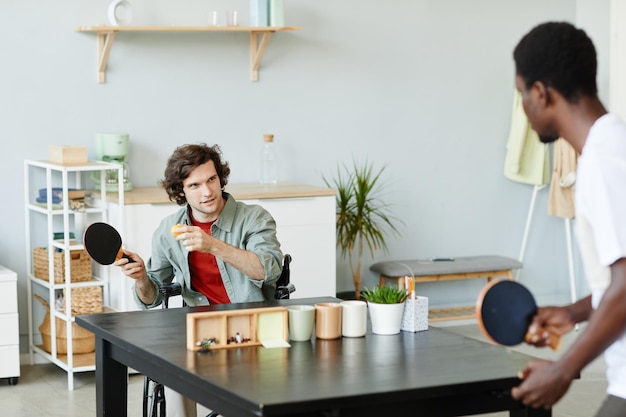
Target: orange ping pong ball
(173,230)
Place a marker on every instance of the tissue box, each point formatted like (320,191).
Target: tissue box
(415,317)
(67,155)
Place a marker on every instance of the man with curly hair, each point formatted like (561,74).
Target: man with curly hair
(556,75)
(220,250)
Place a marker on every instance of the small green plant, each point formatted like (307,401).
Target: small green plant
(384,295)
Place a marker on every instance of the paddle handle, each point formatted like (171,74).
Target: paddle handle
(554,340)
(121,254)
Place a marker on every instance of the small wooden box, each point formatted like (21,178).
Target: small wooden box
(254,325)
(67,155)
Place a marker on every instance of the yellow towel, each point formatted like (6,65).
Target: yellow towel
(561,200)
(527,159)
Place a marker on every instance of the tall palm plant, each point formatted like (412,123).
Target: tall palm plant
(363,217)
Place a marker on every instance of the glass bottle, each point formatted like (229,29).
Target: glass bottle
(269,161)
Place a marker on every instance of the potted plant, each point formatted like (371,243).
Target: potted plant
(386,307)
(363,217)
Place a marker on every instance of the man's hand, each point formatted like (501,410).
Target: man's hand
(194,239)
(544,383)
(135,270)
(549,321)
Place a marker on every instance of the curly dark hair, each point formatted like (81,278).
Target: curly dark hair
(184,160)
(560,56)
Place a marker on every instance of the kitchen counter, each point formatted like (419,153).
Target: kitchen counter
(241,191)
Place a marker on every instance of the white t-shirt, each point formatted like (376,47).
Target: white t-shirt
(600,202)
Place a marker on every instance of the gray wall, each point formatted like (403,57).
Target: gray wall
(422,86)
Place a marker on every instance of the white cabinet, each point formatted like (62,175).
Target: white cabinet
(55,226)
(305,227)
(9,337)
(305,219)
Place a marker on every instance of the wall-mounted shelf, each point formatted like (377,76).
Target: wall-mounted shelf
(106,35)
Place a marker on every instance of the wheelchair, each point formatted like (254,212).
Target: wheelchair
(153,391)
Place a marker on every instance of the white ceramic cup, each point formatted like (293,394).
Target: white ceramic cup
(354,318)
(301,320)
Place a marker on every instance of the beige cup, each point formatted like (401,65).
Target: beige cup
(354,318)
(301,319)
(328,320)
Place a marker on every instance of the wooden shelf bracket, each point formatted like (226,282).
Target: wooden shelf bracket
(256,52)
(105,41)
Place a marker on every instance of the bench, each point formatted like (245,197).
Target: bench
(446,269)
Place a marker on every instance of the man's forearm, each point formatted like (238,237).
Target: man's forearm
(581,310)
(145,290)
(605,324)
(245,261)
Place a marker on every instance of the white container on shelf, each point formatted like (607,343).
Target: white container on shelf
(259,13)
(277,13)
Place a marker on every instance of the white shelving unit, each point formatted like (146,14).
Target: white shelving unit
(43,220)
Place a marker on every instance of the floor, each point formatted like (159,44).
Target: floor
(42,389)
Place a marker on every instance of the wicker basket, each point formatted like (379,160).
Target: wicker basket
(83,341)
(85,300)
(80,265)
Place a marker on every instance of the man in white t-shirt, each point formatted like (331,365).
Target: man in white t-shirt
(555,67)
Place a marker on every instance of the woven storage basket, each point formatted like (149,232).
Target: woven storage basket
(83,341)
(80,265)
(85,300)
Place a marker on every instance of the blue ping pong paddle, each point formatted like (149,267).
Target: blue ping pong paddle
(505,310)
(103,243)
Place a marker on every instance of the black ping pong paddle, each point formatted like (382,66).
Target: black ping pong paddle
(103,243)
(504,311)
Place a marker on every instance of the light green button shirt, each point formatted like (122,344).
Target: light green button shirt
(248,227)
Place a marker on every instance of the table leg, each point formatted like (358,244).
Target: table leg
(531,412)
(111,383)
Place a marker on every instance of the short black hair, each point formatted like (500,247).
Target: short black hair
(559,55)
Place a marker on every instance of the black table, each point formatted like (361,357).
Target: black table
(431,373)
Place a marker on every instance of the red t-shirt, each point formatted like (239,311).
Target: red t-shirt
(205,274)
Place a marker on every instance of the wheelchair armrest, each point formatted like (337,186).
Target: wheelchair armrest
(170,290)
(282,292)
(283,286)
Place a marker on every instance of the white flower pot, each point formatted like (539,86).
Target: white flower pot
(386,318)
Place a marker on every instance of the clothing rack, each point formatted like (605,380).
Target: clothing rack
(568,239)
